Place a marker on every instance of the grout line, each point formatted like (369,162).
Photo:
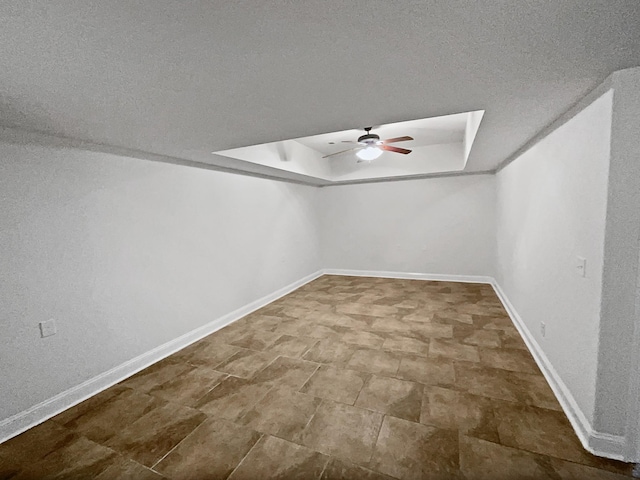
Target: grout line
(309,377)
(364,383)
(262,435)
(329,458)
(177,444)
(308,349)
(373,450)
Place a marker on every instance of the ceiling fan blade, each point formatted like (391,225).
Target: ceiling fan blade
(397,139)
(342,151)
(348,141)
(391,148)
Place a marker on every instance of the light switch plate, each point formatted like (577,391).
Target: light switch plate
(48,328)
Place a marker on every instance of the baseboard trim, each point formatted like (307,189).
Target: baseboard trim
(410,276)
(20,422)
(601,444)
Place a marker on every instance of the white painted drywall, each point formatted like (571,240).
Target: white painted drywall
(619,358)
(471,130)
(288,155)
(127,254)
(435,226)
(551,208)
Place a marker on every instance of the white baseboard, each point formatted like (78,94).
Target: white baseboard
(410,276)
(601,444)
(20,422)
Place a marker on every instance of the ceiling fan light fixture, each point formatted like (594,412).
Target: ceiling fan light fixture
(369,153)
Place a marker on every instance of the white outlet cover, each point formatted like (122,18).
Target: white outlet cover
(48,328)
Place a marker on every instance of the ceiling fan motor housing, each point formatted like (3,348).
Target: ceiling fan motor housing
(369,139)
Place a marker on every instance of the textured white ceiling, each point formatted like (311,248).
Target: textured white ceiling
(184,79)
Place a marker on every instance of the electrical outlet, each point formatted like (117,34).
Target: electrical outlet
(543,329)
(581,266)
(48,328)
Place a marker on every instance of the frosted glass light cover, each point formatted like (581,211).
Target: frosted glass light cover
(369,153)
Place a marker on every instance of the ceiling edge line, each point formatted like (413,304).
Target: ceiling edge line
(593,94)
(50,140)
(410,177)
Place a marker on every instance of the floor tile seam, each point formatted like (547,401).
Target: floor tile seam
(301,357)
(226,375)
(246,455)
(375,444)
(299,390)
(543,454)
(182,440)
(326,464)
(206,418)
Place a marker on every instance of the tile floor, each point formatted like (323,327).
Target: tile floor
(345,378)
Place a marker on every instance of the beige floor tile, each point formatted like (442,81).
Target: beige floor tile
(284,371)
(453,350)
(276,458)
(155,375)
(374,361)
(505,385)
(426,331)
(392,396)
(79,459)
(408,450)
(346,432)
(428,371)
(339,470)
(246,363)
(256,340)
(469,335)
(363,338)
(211,452)
(547,432)
(189,387)
(124,469)
(206,353)
(232,398)
(282,412)
(390,325)
(80,409)
(574,471)
(330,352)
(454,410)
(509,359)
(34,444)
(338,384)
(293,347)
(484,460)
(112,416)
(367,309)
(152,436)
(406,345)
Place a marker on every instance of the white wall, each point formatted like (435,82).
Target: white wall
(552,204)
(618,403)
(433,225)
(287,155)
(127,254)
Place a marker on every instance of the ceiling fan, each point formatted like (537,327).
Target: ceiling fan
(371,147)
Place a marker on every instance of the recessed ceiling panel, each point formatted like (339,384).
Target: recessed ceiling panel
(437,145)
